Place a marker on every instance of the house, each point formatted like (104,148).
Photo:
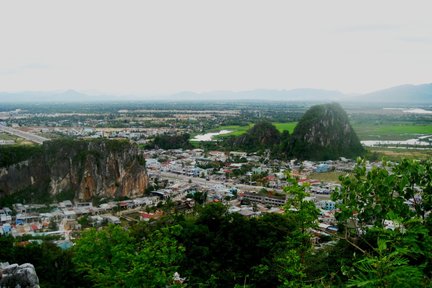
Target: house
(6,229)
(238,154)
(322,168)
(112,219)
(66,204)
(70,214)
(144,216)
(266,200)
(327,205)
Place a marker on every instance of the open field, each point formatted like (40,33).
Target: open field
(6,136)
(365,131)
(398,154)
(370,131)
(18,140)
(286,126)
(239,130)
(236,129)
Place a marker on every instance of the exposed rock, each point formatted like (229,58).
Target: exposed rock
(324,133)
(14,276)
(98,168)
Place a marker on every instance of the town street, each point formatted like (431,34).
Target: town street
(241,187)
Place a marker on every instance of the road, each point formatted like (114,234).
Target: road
(28,136)
(241,187)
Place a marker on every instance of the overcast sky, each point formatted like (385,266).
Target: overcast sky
(196,45)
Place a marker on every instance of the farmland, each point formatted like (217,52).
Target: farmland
(239,130)
(388,131)
(365,131)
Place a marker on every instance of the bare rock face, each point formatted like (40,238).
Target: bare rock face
(324,133)
(13,276)
(97,168)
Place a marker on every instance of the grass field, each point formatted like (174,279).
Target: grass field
(365,131)
(239,130)
(398,154)
(18,140)
(6,136)
(370,131)
(285,126)
(236,129)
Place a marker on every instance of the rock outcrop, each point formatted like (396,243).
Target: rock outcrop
(97,168)
(324,133)
(263,135)
(23,276)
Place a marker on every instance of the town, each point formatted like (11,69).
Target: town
(249,184)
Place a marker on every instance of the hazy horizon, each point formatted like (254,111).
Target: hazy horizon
(165,47)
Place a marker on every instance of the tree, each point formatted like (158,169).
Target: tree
(111,257)
(305,214)
(105,256)
(399,194)
(157,260)
(367,197)
(386,269)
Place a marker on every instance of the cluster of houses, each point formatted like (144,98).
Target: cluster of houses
(240,168)
(61,218)
(216,185)
(139,135)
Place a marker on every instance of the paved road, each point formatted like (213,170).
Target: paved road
(241,187)
(28,136)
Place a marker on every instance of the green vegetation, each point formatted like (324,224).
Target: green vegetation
(213,248)
(285,126)
(323,133)
(53,265)
(238,130)
(263,135)
(68,194)
(6,136)
(390,131)
(364,130)
(398,154)
(14,154)
(171,142)
(37,195)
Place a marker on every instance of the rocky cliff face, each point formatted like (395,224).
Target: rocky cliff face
(89,168)
(18,276)
(323,133)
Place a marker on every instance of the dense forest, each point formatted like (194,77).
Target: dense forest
(210,247)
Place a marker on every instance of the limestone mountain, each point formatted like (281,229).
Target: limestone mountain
(324,133)
(263,135)
(87,169)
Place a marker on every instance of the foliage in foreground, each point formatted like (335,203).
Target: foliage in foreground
(213,248)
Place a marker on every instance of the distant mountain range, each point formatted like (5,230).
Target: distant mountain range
(403,94)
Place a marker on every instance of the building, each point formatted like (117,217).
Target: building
(266,200)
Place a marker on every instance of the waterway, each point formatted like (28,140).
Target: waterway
(423,141)
(209,136)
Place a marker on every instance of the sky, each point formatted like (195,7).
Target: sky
(164,46)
